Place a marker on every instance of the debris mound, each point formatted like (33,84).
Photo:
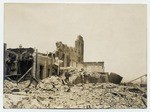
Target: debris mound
(52,93)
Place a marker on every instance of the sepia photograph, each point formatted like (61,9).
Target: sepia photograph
(75,56)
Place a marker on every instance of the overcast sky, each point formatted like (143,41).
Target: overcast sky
(115,34)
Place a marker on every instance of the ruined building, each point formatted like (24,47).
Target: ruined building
(70,56)
(19,62)
(74,56)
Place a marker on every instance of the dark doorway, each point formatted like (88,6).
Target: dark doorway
(48,73)
(41,71)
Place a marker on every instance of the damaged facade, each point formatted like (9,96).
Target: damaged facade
(74,57)
(18,61)
(26,61)
(94,66)
(70,56)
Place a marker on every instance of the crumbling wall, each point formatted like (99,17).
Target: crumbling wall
(94,66)
(79,47)
(66,54)
(17,62)
(44,64)
(70,56)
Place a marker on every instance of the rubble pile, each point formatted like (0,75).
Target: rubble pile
(50,83)
(52,92)
(9,86)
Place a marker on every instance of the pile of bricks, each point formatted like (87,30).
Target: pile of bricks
(53,93)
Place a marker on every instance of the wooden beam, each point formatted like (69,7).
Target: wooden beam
(137,78)
(24,74)
(12,75)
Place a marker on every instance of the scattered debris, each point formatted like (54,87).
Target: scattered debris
(15,90)
(135,90)
(52,93)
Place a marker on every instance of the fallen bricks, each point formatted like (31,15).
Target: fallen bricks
(52,93)
(55,92)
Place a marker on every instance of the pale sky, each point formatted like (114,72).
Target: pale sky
(115,34)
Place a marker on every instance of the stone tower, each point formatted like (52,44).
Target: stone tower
(79,46)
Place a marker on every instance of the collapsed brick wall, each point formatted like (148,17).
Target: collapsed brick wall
(70,56)
(94,66)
